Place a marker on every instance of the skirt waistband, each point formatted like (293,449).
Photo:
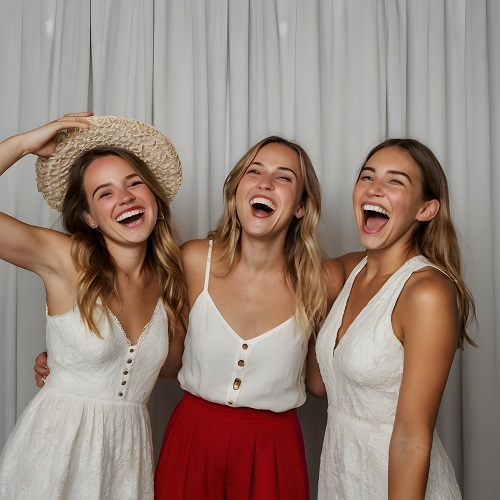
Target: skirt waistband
(240,413)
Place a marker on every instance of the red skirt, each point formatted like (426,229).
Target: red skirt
(215,452)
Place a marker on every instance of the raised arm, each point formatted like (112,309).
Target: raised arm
(21,244)
(426,321)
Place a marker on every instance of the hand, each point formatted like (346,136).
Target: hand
(41,370)
(41,141)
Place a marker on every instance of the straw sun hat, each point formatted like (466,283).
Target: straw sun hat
(145,141)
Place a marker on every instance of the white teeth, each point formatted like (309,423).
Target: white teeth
(263,201)
(376,208)
(131,213)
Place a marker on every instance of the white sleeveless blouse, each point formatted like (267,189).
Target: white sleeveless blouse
(266,372)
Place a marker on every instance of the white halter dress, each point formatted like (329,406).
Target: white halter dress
(363,376)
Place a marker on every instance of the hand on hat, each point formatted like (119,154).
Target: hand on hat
(41,142)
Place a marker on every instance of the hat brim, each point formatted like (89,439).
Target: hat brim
(148,143)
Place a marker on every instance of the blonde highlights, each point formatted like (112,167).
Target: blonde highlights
(303,255)
(90,254)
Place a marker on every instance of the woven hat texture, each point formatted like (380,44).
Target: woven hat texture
(149,144)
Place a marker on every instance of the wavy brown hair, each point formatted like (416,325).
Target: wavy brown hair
(92,258)
(303,256)
(437,239)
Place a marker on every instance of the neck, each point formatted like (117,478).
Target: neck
(387,261)
(261,254)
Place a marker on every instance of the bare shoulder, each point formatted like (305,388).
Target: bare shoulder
(194,257)
(429,286)
(427,306)
(334,278)
(350,260)
(194,252)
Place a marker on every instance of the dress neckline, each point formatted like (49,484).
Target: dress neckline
(145,330)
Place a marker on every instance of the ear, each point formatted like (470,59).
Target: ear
(428,211)
(89,220)
(299,213)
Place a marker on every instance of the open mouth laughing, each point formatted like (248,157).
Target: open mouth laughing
(374,218)
(261,204)
(130,216)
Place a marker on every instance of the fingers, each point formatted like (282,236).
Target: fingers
(75,117)
(42,142)
(39,380)
(41,361)
(41,373)
(41,369)
(80,114)
(73,120)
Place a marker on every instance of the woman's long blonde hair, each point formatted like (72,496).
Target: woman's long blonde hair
(92,258)
(437,239)
(303,264)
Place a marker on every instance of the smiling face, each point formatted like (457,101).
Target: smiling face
(387,200)
(119,202)
(269,195)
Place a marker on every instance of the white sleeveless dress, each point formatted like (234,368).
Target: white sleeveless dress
(86,434)
(363,376)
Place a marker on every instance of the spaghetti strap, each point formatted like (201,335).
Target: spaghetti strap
(209,260)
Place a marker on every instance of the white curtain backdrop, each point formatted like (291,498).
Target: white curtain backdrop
(216,76)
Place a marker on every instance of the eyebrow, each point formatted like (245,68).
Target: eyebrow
(287,169)
(389,172)
(107,184)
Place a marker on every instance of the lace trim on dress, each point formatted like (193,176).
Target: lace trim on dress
(145,330)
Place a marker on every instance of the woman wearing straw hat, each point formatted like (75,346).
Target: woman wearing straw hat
(114,289)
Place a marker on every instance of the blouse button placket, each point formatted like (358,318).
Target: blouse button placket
(238,375)
(129,362)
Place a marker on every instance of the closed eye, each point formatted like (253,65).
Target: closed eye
(365,178)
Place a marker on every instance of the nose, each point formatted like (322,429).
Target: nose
(375,189)
(265,182)
(126,197)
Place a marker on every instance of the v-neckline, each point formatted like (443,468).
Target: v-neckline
(145,329)
(235,333)
(362,312)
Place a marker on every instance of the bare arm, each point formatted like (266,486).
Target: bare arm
(425,319)
(173,362)
(194,256)
(26,246)
(334,273)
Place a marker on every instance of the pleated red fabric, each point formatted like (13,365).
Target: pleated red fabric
(215,452)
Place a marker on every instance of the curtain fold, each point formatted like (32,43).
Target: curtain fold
(216,76)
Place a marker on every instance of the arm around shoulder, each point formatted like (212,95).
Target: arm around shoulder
(173,363)
(314,382)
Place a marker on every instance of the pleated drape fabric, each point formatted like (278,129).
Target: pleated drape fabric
(218,75)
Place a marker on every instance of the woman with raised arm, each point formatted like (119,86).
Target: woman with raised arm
(114,291)
(387,345)
(256,292)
